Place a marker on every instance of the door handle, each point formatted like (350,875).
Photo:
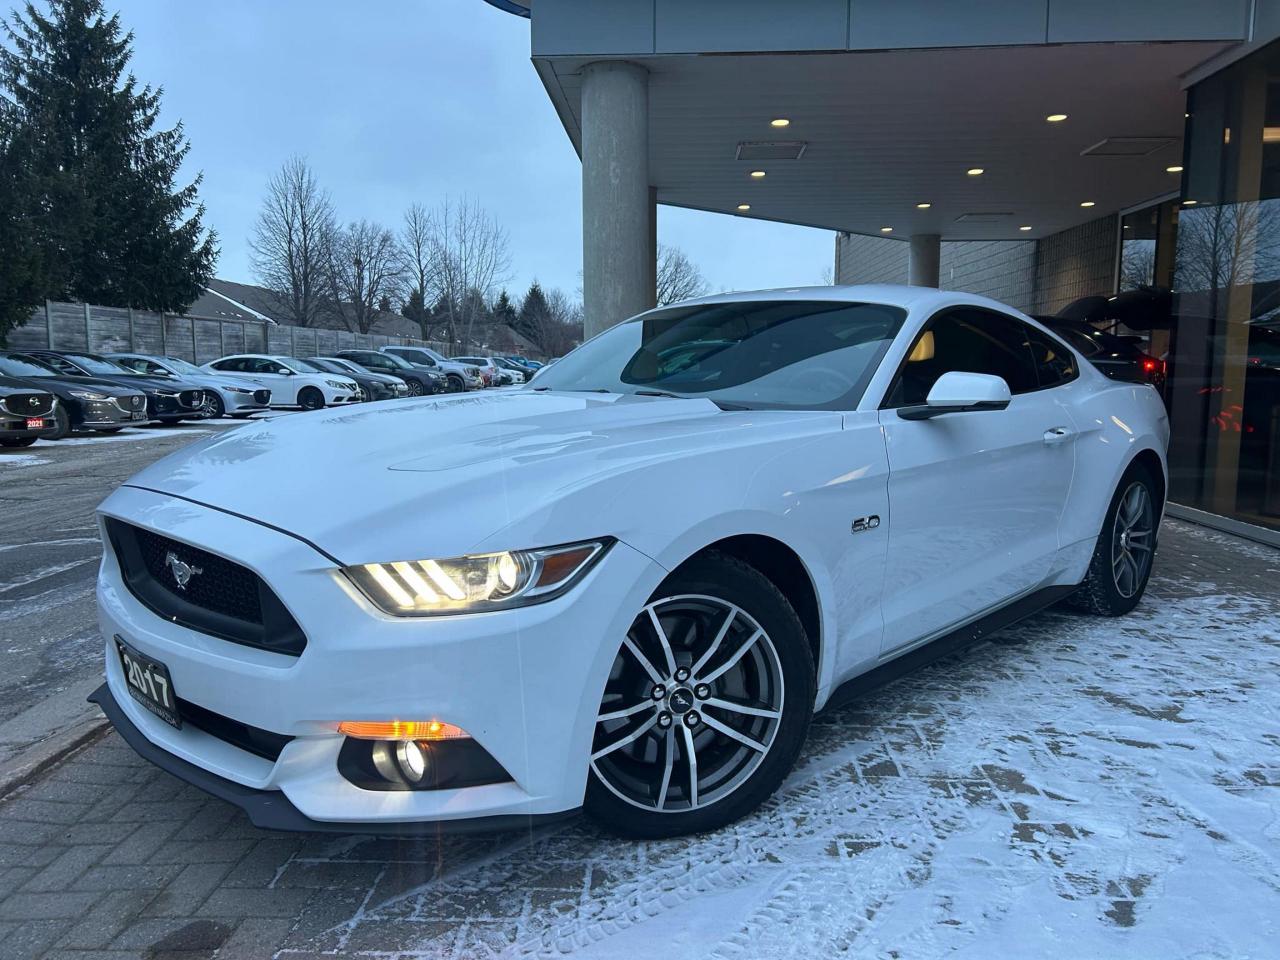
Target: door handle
(1058,435)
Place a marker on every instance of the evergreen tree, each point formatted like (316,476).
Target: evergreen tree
(89,187)
(534,311)
(504,312)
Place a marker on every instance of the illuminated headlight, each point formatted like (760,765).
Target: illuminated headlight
(487,581)
(87,395)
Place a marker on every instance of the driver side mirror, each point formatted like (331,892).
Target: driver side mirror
(958,392)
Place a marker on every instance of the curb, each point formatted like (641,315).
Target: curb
(28,765)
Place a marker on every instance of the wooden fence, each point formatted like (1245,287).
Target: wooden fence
(94,329)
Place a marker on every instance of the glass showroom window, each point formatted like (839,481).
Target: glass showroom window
(1225,374)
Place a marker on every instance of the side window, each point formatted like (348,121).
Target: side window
(150,366)
(134,364)
(61,365)
(968,341)
(1085,344)
(1055,364)
(229,365)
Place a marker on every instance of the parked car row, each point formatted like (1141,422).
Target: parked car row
(49,394)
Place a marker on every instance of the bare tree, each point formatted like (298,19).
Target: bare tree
(469,255)
(365,265)
(678,277)
(417,244)
(291,240)
(551,320)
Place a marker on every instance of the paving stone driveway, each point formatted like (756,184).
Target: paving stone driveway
(1076,787)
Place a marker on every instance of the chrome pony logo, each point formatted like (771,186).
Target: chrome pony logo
(181,570)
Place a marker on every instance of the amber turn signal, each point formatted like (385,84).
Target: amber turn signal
(402,730)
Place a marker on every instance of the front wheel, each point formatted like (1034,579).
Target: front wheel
(1126,548)
(61,423)
(213,407)
(456,384)
(415,388)
(309,398)
(706,706)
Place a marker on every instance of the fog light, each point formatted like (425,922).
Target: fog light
(412,760)
(402,730)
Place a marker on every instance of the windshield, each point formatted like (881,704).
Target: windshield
(778,353)
(303,366)
(437,357)
(98,364)
(328,366)
(24,366)
(177,365)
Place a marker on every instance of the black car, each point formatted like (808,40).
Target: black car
(376,386)
(26,414)
(420,380)
(84,403)
(168,400)
(1120,358)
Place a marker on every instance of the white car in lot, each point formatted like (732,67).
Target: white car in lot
(627,586)
(290,384)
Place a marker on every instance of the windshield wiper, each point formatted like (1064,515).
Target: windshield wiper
(659,393)
(722,404)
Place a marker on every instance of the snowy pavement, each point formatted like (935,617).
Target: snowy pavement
(1074,788)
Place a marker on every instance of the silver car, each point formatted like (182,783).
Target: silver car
(224,395)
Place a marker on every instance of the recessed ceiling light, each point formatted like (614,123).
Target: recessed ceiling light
(1189,203)
(1086,203)
(757,174)
(886,229)
(923,206)
(1173,169)
(744,206)
(975,171)
(1056,117)
(1025,227)
(779,122)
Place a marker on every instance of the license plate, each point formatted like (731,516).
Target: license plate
(35,423)
(149,683)
(138,415)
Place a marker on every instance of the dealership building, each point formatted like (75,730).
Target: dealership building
(1035,151)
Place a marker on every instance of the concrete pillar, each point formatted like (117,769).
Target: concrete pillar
(617,207)
(651,257)
(926,252)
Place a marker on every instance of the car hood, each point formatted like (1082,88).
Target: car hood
(430,477)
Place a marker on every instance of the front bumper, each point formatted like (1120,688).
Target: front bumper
(524,683)
(244,402)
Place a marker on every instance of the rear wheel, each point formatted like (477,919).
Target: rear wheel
(18,441)
(1126,548)
(706,706)
(309,398)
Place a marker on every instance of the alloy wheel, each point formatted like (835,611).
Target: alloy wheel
(692,706)
(1132,540)
(415,388)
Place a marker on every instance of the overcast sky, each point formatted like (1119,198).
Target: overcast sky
(397,101)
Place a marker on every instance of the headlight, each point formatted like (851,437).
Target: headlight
(238,390)
(87,395)
(339,385)
(487,581)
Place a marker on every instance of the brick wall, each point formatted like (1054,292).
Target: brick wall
(1079,262)
(1001,269)
(1033,276)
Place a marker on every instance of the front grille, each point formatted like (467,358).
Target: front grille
(132,402)
(255,740)
(28,404)
(220,597)
(262,396)
(191,398)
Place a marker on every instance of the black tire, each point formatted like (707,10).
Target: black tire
(747,777)
(61,424)
(415,388)
(456,384)
(18,442)
(1113,587)
(214,408)
(109,430)
(310,398)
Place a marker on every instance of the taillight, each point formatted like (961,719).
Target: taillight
(1152,366)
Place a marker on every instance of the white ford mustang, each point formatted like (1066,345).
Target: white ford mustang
(627,586)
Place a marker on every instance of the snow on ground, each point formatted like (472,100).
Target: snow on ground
(1077,787)
(20,459)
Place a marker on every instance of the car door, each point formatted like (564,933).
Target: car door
(975,498)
